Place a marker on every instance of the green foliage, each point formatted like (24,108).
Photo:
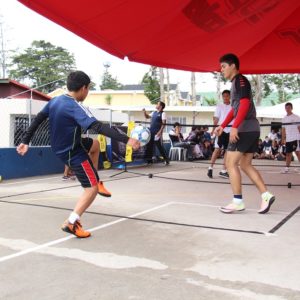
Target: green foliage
(285,84)
(109,83)
(108,99)
(44,65)
(210,101)
(151,85)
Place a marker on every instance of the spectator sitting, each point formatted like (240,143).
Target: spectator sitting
(177,139)
(267,148)
(275,148)
(206,134)
(260,149)
(194,138)
(207,149)
(281,152)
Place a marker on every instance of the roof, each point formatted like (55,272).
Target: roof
(141,87)
(23,87)
(278,111)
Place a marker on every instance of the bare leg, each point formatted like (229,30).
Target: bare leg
(85,200)
(66,171)
(251,172)
(224,160)
(94,153)
(232,162)
(214,156)
(288,159)
(298,155)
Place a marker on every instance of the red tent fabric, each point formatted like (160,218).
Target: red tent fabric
(186,34)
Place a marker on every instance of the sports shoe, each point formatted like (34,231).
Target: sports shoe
(266,203)
(102,190)
(224,174)
(285,170)
(75,229)
(166,162)
(65,178)
(210,173)
(232,207)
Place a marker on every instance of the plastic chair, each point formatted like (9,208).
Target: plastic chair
(177,152)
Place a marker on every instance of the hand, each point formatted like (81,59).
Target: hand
(22,149)
(143,109)
(218,131)
(135,144)
(233,136)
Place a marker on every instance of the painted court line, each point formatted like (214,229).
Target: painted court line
(279,212)
(31,180)
(59,241)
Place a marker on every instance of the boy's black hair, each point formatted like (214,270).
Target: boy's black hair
(76,80)
(230,59)
(162,104)
(226,92)
(176,124)
(289,104)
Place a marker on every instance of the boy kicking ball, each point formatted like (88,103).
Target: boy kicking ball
(67,117)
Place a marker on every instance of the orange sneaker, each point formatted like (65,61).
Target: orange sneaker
(102,190)
(75,229)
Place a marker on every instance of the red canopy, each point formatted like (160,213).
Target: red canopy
(186,34)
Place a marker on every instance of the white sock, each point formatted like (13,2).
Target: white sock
(237,201)
(265,194)
(73,217)
(224,171)
(210,168)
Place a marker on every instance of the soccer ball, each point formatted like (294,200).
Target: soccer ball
(142,134)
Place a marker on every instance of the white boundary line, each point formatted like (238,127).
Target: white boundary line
(31,180)
(279,212)
(58,241)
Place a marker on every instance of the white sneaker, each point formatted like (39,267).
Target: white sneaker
(232,207)
(266,203)
(285,170)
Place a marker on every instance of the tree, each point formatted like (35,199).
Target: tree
(108,82)
(43,65)
(152,85)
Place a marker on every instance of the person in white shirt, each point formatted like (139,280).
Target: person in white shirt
(290,135)
(221,112)
(272,135)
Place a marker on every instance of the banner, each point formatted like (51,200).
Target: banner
(120,151)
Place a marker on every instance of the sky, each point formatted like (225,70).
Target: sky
(21,26)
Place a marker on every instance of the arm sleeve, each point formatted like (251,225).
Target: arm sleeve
(242,112)
(163,116)
(109,132)
(41,116)
(228,118)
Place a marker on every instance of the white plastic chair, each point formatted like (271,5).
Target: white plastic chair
(177,152)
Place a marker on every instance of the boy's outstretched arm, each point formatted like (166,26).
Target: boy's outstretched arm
(23,147)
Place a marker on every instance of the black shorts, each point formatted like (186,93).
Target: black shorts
(291,146)
(87,144)
(86,174)
(223,140)
(247,143)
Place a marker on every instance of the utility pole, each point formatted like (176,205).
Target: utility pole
(2,51)
(193,92)
(161,81)
(168,87)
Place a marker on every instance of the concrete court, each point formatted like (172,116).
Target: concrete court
(155,239)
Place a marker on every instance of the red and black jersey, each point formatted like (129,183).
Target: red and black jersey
(241,91)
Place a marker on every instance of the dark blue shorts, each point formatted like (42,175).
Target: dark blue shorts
(86,174)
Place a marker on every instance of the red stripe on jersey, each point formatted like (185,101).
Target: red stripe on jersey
(88,169)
